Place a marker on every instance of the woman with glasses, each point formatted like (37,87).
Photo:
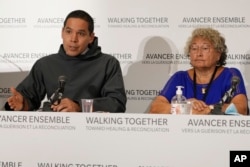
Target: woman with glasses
(209,85)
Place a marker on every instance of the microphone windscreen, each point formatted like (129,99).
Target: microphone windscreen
(62,78)
(235,80)
(62,81)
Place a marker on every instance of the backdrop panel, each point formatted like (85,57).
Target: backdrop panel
(147,37)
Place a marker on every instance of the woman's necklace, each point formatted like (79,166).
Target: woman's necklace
(204,91)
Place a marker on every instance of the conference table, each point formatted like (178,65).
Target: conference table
(53,139)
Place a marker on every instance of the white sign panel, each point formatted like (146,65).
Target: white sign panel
(44,139)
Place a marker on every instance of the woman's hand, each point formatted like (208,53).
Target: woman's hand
(199,107)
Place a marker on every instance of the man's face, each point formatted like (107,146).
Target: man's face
(76,36)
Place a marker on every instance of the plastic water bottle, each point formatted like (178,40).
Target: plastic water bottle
(179,102)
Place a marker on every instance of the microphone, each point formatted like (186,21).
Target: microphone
(216,109)
(62,81)
(229,94)
(57,95)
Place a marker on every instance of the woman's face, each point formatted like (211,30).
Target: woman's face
(202,53)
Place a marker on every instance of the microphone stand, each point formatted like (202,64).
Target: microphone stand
(55,99)
(217,108)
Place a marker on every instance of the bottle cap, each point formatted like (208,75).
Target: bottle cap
(179,90)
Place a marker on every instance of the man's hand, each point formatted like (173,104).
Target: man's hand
(66,105)
(16,101)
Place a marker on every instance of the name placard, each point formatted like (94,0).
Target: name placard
(50,139)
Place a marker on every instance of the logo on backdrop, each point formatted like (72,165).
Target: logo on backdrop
(215,22)
(124,58)
(18,61)
(12,22)
(159,51)
(238,58)
(138,22)
(49,22)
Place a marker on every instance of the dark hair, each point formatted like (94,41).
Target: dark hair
(213,36)
(81,15)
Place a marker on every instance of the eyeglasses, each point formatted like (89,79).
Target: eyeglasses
(203,48)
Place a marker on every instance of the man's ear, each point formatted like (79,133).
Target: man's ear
(62,32)
(92,37)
